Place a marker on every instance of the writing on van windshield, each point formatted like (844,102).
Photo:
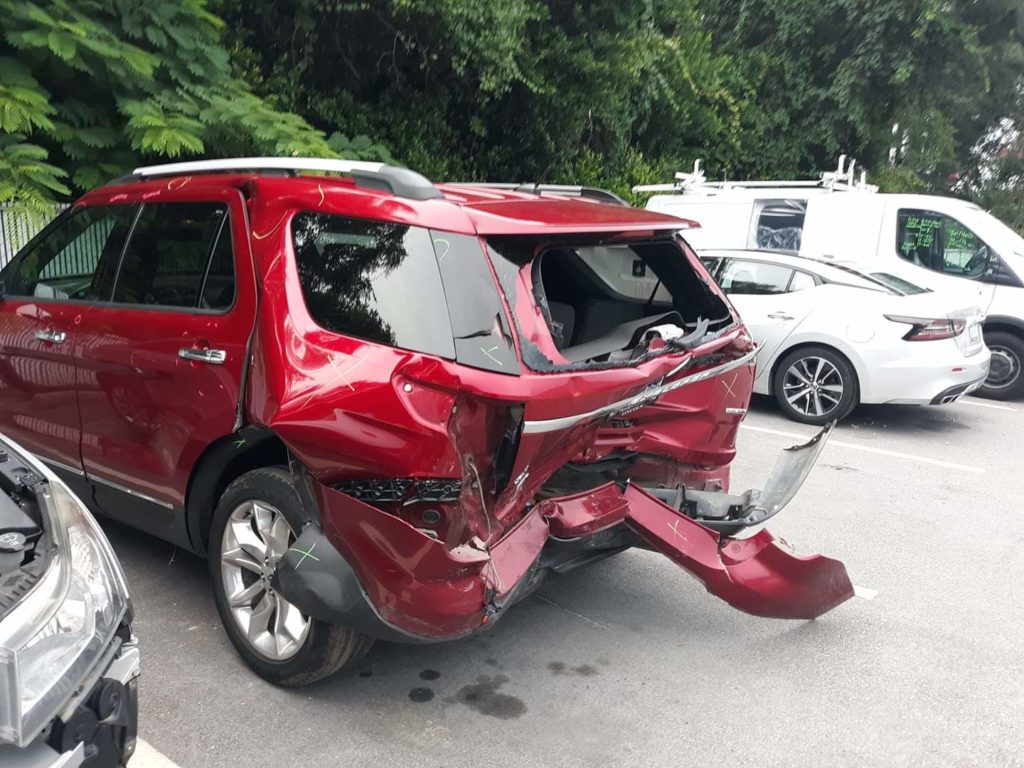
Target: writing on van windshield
(921,231)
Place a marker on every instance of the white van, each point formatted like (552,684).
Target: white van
(940,242)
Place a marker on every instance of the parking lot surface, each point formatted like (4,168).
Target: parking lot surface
(631,663)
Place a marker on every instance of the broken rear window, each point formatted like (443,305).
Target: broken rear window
(604,303)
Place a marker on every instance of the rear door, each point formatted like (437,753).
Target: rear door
(160,366)
(50,287)
(772,299)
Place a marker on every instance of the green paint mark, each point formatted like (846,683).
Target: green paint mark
(239,443)
(488,353)
(305,554)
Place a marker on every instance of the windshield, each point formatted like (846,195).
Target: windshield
(905,287)
(853,276)
(994,232)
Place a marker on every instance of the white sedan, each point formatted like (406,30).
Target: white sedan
(832,337)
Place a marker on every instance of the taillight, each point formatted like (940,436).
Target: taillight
(925,329)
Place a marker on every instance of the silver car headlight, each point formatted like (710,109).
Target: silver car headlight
(51,640)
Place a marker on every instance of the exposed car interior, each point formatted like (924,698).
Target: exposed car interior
(609,302)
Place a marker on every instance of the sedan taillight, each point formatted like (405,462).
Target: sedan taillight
(925,329)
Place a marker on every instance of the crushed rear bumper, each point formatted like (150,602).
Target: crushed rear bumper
(373,571)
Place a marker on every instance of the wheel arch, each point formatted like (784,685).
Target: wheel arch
(1004,323)
(220,463)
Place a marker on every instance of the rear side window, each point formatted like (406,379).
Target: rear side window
(482,335)
(167,258)
(801,282)
(374,280)
(754,277)
(710,264)
(75,258)
(780,224)
(941,243)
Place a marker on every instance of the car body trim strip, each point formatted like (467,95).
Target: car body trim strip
(131,492)
(636,401)
(77,471)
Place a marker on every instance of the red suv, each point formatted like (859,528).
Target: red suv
(388,409)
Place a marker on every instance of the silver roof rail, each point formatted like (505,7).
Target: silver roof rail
(843,179)
(400,182)
(567,190)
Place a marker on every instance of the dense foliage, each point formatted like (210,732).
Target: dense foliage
(927,93)
(88,87)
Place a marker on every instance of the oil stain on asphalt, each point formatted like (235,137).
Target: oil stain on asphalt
(485,698)
(421,695)
(424,694)
(561,668)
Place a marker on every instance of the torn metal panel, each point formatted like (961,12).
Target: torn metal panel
(754,575)
(731,513)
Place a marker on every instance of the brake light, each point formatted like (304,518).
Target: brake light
(925,329)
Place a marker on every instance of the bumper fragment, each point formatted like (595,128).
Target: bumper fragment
(39,755)
(729,514)
(754,575)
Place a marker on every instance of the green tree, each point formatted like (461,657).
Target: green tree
(928,79)
(90,87)
(1003,191)
(518,90)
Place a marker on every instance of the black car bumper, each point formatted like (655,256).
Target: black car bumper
(99,731)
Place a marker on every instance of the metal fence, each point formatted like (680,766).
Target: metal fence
(18,227)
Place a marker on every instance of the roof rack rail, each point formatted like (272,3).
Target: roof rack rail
(843,179)
(568,190)
(400,182)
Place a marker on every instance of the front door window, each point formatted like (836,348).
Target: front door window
(940,243)
(76,258)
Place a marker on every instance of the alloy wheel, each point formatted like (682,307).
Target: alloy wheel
(813,386)
(255,538)
(1004,370)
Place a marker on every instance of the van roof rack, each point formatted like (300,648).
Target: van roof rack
(843,179)
(568,190)
(400,182)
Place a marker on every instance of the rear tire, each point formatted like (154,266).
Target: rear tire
(257,519)
(815,385)
(1006,375)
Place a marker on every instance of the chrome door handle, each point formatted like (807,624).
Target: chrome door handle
(206,355)
(779,316)
(53,337)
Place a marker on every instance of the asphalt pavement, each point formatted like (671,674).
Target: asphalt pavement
(632,663)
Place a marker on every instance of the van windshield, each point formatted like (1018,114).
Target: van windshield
(994,232)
